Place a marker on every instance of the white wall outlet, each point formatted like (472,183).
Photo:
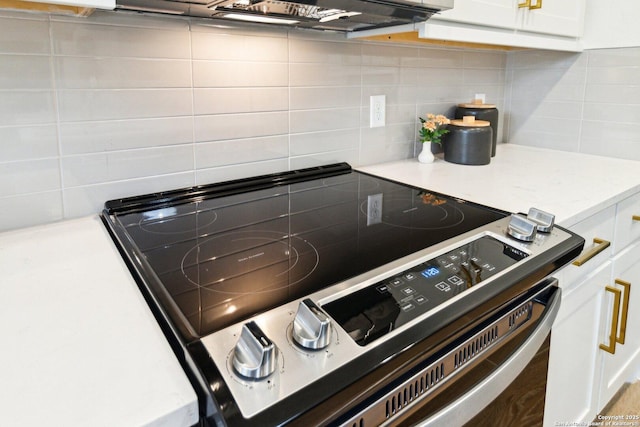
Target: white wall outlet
(377,111)
(480,96)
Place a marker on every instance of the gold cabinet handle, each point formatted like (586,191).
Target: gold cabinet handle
(538,5)
(600,246)
(611,348)
(625,309)
(636,217)
(527,3)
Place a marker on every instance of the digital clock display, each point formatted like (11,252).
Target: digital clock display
(431,272)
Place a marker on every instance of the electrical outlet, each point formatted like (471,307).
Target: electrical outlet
(481,97)
(377,109)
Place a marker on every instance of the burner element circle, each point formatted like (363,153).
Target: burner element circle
(246,263)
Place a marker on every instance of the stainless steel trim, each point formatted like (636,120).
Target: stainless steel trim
(465,408)
(425,382)
(277,323)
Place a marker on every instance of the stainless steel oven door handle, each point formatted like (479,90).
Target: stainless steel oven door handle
(479,397)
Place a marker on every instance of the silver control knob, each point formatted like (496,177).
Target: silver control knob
(311,327)
(522,228)
(544,220)
(254,355)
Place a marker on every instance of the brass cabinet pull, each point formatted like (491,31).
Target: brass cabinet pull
(636,217)
(601,245)
(538,5)
(611,348)
(614,336)
(527,3)
(625,309)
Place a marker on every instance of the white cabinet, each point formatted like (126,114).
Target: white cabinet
(620,320)
(572,388)
(595,342)
(557,17)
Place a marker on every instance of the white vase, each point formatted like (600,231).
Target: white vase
(426,156)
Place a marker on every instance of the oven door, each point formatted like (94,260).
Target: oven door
(493,374)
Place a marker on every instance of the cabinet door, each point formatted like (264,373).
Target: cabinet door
(491,13)
(572,386)
(557,17)
(621,366)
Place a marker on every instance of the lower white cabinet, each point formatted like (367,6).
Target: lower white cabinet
(572,383)
(620,324)
(595,341)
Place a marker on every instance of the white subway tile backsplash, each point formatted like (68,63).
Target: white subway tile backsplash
(23,107)
(390,55)
(484,59)
(327,119)
(29,209)
(244,170)
(121,165)
(121,73)
(236,126)
(89,199)
(78,105)
(617,113)
(318,142)
(324,75)
(627,57)
(231,47)
(113,135)
(318,159)
(234,152)
(325,52)
(239,74)
(29,176)
(24,72)
(90,39)
(28,142)
(615,94)
(24,36)
(239,100)
(614,76)
(324,97)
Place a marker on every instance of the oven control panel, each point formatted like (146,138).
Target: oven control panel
(262,358)
(376,310)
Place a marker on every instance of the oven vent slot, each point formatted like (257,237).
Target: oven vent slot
(397,400)
(476,346)
(525,310)
(413,390)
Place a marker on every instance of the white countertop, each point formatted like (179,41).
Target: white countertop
(570,185)
(80,345)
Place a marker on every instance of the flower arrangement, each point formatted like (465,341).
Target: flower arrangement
(433,128)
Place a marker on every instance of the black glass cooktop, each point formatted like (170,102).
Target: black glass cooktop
(221,256)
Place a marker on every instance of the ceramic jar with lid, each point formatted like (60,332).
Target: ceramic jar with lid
(481,111)
(468,142)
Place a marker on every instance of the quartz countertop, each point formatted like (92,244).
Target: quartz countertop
(80,345)
(572,186)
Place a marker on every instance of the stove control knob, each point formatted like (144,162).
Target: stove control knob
(311,327)
(254,355)
(522,228)
(544,220)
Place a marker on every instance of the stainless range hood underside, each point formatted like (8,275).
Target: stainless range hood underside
(338,15)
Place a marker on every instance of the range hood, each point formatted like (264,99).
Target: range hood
(336,15)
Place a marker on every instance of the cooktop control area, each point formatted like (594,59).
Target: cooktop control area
(262,357)
(376,310)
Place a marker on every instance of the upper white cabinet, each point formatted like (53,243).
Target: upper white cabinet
(545,24)
(537,24)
